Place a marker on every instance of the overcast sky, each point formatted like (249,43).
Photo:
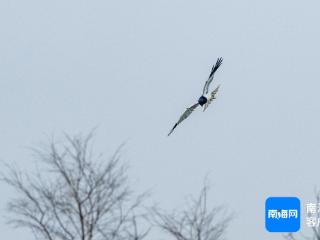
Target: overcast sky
(132,67)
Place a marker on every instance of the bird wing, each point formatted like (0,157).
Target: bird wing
(184,116)
(211,98)
(213,70)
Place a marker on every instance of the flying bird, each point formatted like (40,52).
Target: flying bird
(205,99)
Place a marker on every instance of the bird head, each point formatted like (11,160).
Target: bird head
(202,100)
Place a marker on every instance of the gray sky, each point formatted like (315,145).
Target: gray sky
(131,67)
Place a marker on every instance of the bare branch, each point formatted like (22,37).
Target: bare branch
(76,195)
(197,222)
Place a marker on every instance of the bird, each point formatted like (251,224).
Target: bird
(205,99)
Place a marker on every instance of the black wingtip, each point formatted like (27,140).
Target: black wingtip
(216,66)
(172,129)
(218,63)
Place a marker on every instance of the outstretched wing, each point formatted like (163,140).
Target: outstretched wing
(184,116)
(211,98)
(213,70)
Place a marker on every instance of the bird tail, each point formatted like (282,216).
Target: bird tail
(211,98)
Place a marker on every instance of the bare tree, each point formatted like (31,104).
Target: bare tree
(197,222)
(292,236)
(77,196)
